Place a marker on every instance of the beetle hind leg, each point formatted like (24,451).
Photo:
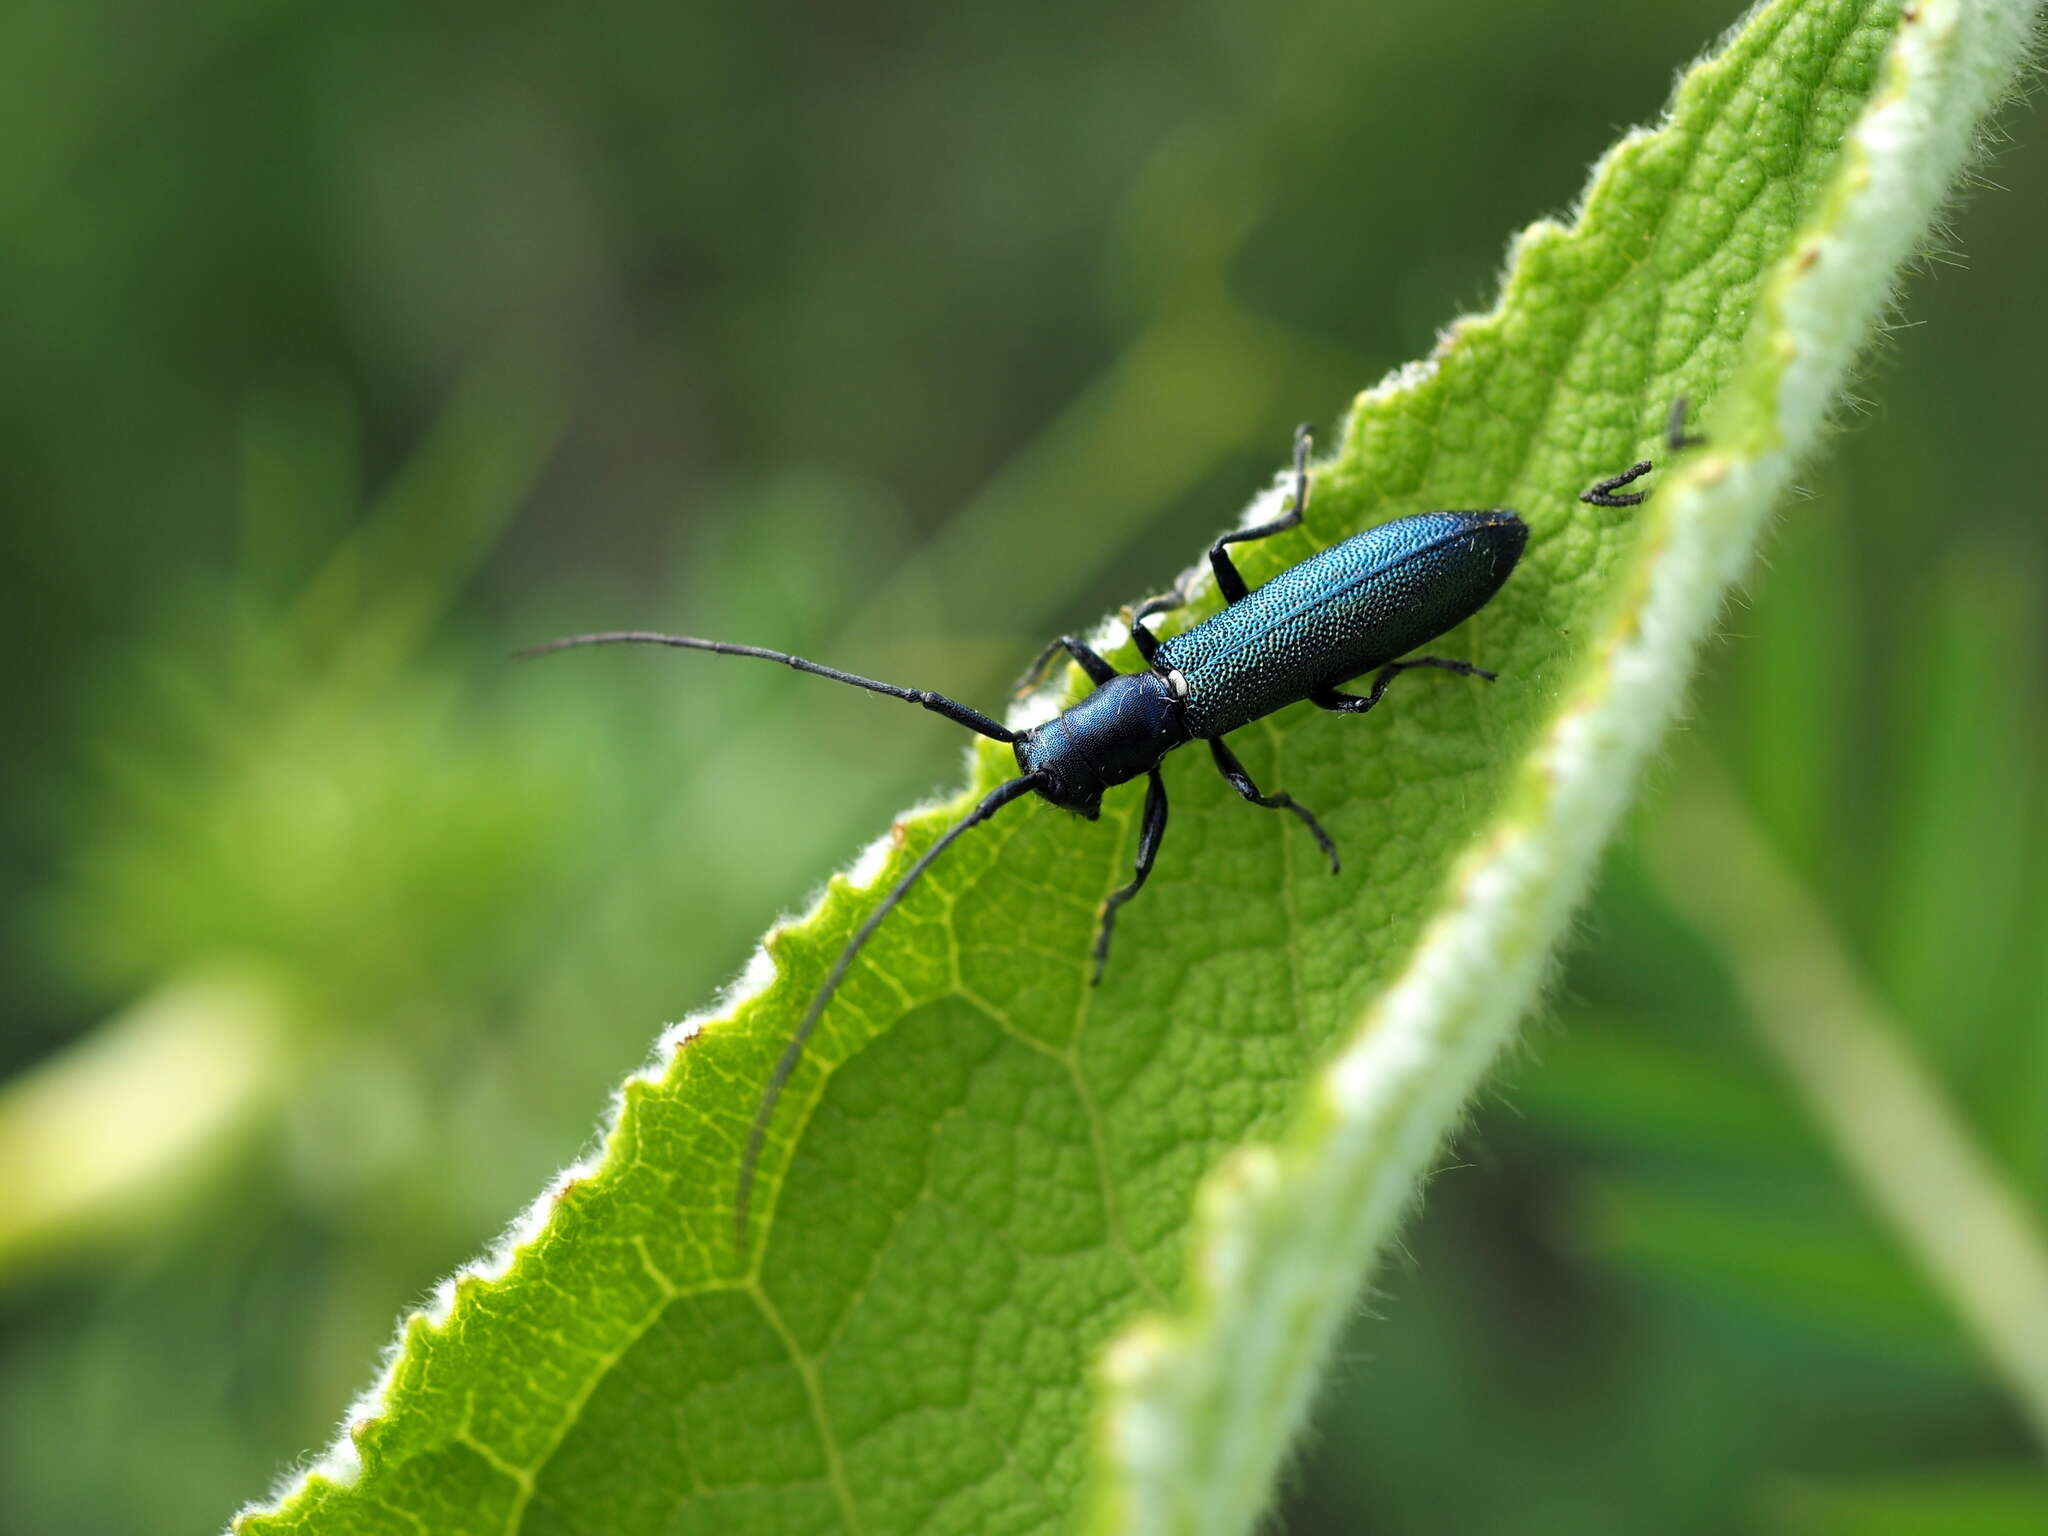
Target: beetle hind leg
(1355,704)
(1674,427)
(1602,492)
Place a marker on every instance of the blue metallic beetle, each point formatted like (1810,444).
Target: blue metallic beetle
(1359,606)
(1344,611)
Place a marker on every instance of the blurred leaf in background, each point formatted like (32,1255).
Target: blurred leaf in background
(351,348)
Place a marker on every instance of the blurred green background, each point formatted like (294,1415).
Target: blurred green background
(349,347)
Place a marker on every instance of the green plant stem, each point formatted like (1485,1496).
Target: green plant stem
(1895,1130)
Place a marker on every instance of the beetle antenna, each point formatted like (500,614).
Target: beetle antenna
(792,1053)
(937,703)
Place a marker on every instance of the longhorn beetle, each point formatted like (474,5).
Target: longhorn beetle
(1359,606)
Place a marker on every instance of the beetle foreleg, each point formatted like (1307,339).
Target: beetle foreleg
(1150,830)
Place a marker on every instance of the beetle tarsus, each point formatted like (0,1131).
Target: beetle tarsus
(1602,492)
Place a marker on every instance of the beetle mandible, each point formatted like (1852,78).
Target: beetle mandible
(1362,605)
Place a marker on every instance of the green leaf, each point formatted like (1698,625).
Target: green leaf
(984,1170)
(1200,1405)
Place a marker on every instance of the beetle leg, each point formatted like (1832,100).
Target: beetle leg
(1150,831)
(1146,641)
(1352,704)
(1231,769)
(1229,580)
(1602,492)
(1098,670)
(1227,577)
(1674,429)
